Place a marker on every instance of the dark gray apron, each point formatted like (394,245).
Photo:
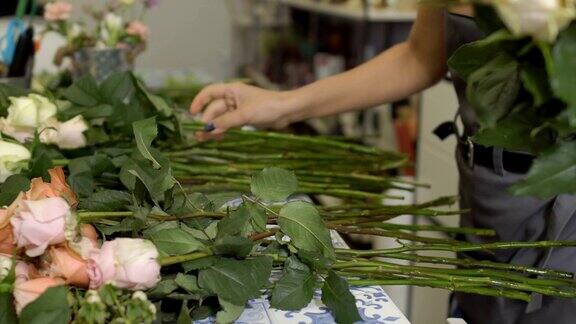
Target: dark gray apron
(484,192)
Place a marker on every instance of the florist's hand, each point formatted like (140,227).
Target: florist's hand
(225,106)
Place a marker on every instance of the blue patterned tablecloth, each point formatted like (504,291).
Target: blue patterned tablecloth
(374,305)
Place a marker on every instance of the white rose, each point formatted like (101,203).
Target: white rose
(541,19)
(45,108)
(68,135)
(22,112)
(112,21)
(110,29)
(5,265)
(26,115)
(74,31)
(13,158)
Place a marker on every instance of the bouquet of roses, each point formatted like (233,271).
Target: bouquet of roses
(118,25)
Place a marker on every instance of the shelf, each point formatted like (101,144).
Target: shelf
(384,15)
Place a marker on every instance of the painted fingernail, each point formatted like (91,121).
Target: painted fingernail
(209,127)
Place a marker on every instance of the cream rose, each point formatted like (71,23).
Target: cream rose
(127,263)
(66,135)
(541,19)
(13,159)
(26,115)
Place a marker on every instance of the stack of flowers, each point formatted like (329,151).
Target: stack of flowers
(42,242)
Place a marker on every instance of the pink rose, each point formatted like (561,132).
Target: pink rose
(127,263)
(66,264)
(38,224)
(58,10)
(26,291)
(138,29)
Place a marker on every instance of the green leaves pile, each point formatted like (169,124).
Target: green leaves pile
(525,98)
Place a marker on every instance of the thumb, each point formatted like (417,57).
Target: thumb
(229,120)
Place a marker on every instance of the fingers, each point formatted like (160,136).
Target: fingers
(228,120)
(207,95)
(214,109)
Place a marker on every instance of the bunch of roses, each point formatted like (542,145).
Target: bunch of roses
(51,249)
(112,31)
(35,114)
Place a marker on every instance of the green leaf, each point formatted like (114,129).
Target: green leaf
(82,183)
(234,223)
(472,56)
(51,307)
(199,264)
(157,182)
(156,102)
(12,187)
(535,80)
(564,54)
(295,289)
(7,310)
(184,316)
(315,260)
(7,91)
(89,113)
(337,296)
(258,219)
(187,282)
(229,312)
(552,174)
(145,131)
(303,224)
(274,184)
(233,246)
(117,87)
(236,281)
(106,200)
(163,288)
(514,133)
(493,89)
(176,241)
(84,92)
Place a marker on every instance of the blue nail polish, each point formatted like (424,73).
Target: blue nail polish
(209,127)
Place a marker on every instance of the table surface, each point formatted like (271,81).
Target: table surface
(374,305)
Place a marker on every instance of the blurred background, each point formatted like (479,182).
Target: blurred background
(283,44)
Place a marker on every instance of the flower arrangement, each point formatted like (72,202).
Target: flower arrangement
(520,82)
(139,224)
(118,25)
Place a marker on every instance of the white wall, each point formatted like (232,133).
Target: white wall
(185,34)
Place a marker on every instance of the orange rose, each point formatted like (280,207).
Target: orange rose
(28,291)
(68,265)
(7,244)
(59,185)
(88,231)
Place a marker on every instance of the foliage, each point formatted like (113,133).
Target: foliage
(523,94)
